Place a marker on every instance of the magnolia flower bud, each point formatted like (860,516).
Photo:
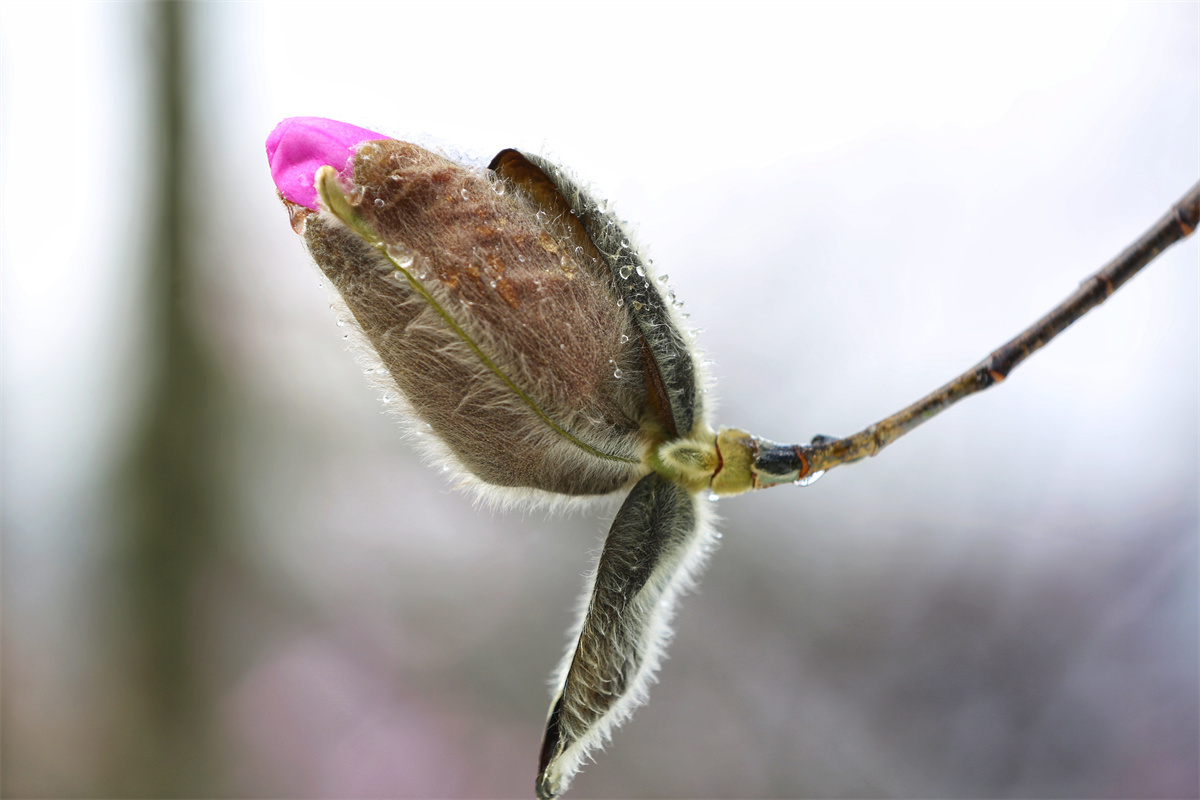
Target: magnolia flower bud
(521,325)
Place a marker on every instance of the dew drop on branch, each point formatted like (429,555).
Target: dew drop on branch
(811,479)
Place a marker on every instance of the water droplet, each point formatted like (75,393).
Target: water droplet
(641,271)
(624,244)
(492,284)
(345,336)
(624,272)
(620,302)
(811,479)
(298,217)
(713,497)
(498,187)
(395,177)
(618,373)
(401,255)
(465,194)
(562,347)
(663,278)
(624,338)
(379,202)
(355,195)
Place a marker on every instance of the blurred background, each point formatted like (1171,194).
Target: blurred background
(225,575)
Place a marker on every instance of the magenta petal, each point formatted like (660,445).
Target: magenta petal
(299,146)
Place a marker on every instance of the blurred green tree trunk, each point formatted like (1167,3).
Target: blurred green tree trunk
(173,498)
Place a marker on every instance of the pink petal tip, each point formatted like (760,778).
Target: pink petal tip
(299,146)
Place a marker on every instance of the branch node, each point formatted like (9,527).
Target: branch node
(1185,224)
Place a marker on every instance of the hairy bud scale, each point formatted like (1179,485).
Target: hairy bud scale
(505,289)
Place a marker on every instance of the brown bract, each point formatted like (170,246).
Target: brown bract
(501,328)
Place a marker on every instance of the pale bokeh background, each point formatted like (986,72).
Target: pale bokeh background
(855,202)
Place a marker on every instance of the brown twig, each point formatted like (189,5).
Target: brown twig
(775,464)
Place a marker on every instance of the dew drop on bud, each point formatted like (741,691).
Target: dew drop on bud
(379,202)
(401,255)
(620,302)
(618,374)
(298,217)
(624,338)
(641,272)
(624,272)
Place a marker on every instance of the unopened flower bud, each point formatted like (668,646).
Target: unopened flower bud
(521,326)
(498,318)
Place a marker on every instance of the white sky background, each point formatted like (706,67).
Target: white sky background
(856,202)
